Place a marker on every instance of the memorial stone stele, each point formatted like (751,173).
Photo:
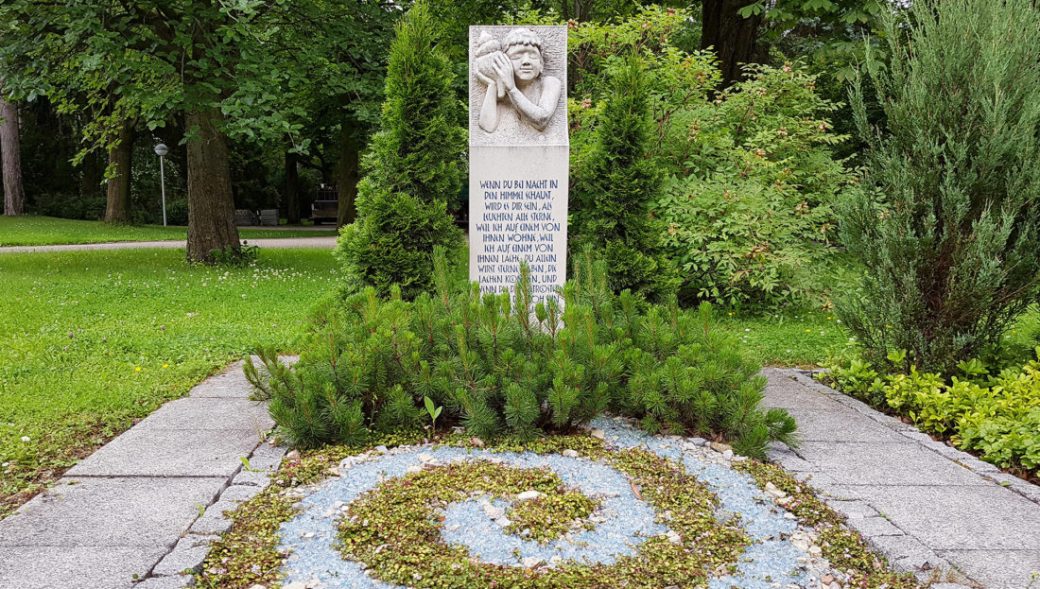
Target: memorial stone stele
(518,157)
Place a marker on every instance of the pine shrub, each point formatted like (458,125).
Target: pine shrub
(614,187)
(948,224)
(500,365)
(413,168)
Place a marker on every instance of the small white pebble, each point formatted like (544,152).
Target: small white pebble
(531,562)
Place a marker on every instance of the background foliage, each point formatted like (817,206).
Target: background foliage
(749,173)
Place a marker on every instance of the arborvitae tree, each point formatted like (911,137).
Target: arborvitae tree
(413,167)
(948,224)
(614,188)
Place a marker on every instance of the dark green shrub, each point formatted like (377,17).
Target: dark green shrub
(947,226)
(613,189)
(413,167)
(69,206)
(688,376)
(504,366)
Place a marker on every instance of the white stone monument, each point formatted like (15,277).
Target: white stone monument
(519,156)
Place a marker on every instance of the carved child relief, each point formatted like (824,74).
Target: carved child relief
(517,91)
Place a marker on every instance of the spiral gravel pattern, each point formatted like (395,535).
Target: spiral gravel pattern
(625,521)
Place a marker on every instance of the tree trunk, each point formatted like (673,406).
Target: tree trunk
(211,206)
(292,188)
(11,153)
(348,174)
(732,36)
(577,10)
(117,194)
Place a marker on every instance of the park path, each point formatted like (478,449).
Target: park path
(146,505)
(282,242)
(926,505)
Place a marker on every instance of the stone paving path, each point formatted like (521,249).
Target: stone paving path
(283,242)
(146,505)
(928,506)
(144,508)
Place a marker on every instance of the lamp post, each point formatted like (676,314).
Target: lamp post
(161,150)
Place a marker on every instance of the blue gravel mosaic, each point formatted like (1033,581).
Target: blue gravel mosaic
(625,521)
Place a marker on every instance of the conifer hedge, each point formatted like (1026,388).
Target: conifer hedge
(500,365)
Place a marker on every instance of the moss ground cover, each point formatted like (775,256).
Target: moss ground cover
(250,553)
(391,529)
(91,341)
(32,230)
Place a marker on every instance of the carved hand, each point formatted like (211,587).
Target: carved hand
(504,69)
(483,79)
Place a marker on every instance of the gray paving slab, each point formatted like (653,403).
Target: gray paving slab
(267,457)
(944,512)
(883,463)
(185,558)
(999,569)
(112,512)
(817,425)
(959,517)
(65,567)
(872,527)
(240,493)
(201,413)
(909,553)
(254,478)
(230,383)
(130,512)
(854,509)
(175,582)
(171,453)
(214,522)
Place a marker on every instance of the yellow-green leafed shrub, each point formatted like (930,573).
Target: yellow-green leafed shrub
(998,419)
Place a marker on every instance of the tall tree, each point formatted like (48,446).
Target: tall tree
(733,36)
(741,31)
(414,164)
(228,70)
(292,188)
(947,226)
(10,151)
(117,192)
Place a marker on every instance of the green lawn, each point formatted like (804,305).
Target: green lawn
(33,230)
(91,341)
(788,338)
